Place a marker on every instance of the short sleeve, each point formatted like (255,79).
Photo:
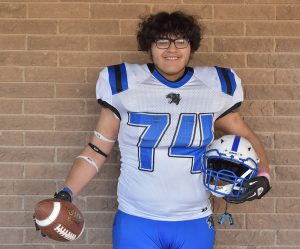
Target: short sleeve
(104,93)
(231,86)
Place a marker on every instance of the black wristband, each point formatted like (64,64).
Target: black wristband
(95,148)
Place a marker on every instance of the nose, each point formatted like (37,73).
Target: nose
(172,46)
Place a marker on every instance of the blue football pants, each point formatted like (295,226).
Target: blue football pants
(132,232)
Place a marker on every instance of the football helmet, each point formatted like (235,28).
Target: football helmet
(228,162)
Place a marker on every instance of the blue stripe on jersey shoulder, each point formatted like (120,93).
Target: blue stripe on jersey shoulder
(227,80)
(236,143)
(117,77)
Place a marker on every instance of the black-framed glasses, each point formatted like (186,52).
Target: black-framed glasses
(166,43)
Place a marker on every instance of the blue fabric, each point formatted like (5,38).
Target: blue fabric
(131,232)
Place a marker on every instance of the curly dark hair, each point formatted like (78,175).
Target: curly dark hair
(165,24)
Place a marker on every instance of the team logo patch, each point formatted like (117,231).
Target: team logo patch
(173,98)
(210,222)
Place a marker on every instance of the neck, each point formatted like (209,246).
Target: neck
(171,77)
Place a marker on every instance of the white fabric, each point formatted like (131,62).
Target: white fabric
(170,192)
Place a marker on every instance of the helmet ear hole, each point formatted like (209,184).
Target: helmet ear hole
(228,162)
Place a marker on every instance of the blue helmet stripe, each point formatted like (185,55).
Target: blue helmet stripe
(236,143)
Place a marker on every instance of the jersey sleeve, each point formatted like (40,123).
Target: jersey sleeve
(230,85)
(104,92)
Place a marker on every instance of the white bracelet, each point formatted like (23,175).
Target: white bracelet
(90,161)
(101,137)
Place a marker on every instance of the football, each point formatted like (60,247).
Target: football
(59,220)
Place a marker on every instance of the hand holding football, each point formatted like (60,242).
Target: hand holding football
(58,219)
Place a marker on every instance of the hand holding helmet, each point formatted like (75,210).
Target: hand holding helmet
(230,170)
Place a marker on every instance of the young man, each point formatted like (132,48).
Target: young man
(163,115)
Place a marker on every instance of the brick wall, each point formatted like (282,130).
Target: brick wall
(50,55)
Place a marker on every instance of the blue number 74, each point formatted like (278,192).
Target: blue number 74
(156,124)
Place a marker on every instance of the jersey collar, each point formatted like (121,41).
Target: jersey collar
(173,84)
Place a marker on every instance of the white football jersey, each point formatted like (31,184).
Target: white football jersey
(164,131)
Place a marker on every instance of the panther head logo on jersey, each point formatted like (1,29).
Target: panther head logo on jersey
(173,98)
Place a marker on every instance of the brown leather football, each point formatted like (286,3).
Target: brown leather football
(59,220)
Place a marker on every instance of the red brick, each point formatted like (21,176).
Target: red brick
(287,173)
(11,74)
(93,27)
(101,204)
(11,171)
(287,76)
(75,43)
(113,43)
(11,236)
(11,138)
(289,237)
(272,29)
(99,236)
(271,1)
(99,220)
(8,10)
(12,203)
(272,92)
(220,59)
(151,1)
(226,28)
(256,76)
(26,187)
(243,12)
(10,106)
(199,11)
(28,155)
(76,91)
(257,108)
(287,141)
(287,205)
(135,57)
(68,154)
(243,44)
(54,107)
(128,27)
(53,74)
(288,12)
(55,138)
(274,124)
(287,108)
(88,59)
(213,1)
(280,189)
(26,90)
(92,107)
(12,42)
(26,122)
(42,171)
(97,246)
(273,60)
(28,26)
(271,221)
(58,10)
(28,59)
(257,206)
(245,238)
(83,123)
(100,187)
(93,74)
(287,44)
(15,219)
(118,11)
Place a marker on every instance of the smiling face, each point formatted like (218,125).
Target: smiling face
(170,62)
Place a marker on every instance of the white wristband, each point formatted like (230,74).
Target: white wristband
(101,137)
(90,161)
